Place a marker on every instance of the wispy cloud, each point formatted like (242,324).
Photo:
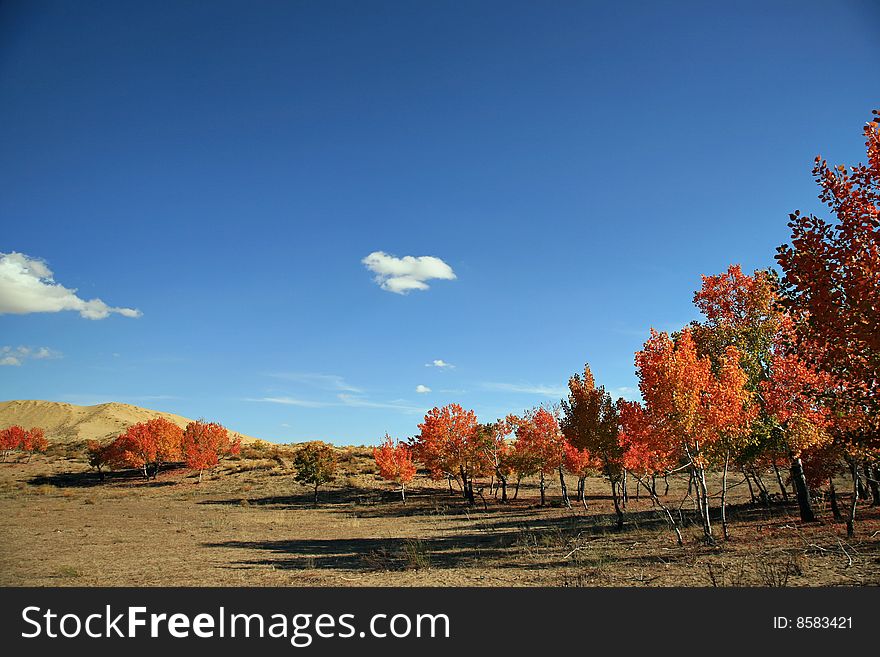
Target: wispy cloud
(403,275)
(319,381)
(422,389)
(291,401)
(439,362)
(15,356)
(527,388)
(342,399)
(27,285)
(92,399)
(627,392)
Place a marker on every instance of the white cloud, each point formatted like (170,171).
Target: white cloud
(321,381)
(545,391)
(27,286)
(627,392)
(402,275)
(291,401)
(342,399)
(439,362)
(422,389)
(15,356)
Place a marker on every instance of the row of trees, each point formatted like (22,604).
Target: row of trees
(147,446)
(19,439)
(782,371)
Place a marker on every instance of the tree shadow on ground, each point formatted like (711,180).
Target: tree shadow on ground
(90,478)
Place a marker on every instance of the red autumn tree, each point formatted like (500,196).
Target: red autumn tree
(691,408)
(101,456)
(11,439)
(205,443)
(581,464)
(590,423)
(148,445)
(538,433)
(745,312)
(447,444)
(395,463)
(493,439)
(647,452)
(832,288)
(34,440)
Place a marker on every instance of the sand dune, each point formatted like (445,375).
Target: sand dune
(68,422)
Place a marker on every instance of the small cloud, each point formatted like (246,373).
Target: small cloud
(402,275)
(439,362)
(15,356)
(27,285)
(526,388)
(422,389)
(627,392)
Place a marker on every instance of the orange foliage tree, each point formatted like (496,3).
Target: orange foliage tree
(689,408)
(148,445)
(395,462)
(744,312)
(17,438)
(538,434)
(101,455)
(590,423)
(205,443)
(493,438)
(448,446)
(831,286)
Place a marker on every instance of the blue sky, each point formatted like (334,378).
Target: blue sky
(224,168)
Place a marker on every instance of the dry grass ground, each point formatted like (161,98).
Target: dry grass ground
(250,524)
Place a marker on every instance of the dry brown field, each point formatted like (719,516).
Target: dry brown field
(250,524)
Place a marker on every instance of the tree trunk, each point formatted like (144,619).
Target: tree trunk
(316,494)
(803,493)
(780,482)
(564,488)
(503,482)
(669,517)
(851,521)
(403,493)
(617,510)
(749,482)
(835,508)
(516,490)
(200,476)
(542,489)
(623,491)
(638,487)
(666,480)
(724,528)
(700,476)
(872,484)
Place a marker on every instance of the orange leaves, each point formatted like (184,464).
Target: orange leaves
(832,282)
(538,434)
(205,443)
(447,443)
(395,461)
(26,440)
(688,408)
(149,444)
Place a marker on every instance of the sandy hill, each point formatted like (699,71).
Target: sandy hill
(66,422)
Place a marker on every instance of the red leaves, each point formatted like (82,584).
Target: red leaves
(538,434)
(395,461)
(205,443)
(832,283)
(447,443)
(149,444)
(16,438)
